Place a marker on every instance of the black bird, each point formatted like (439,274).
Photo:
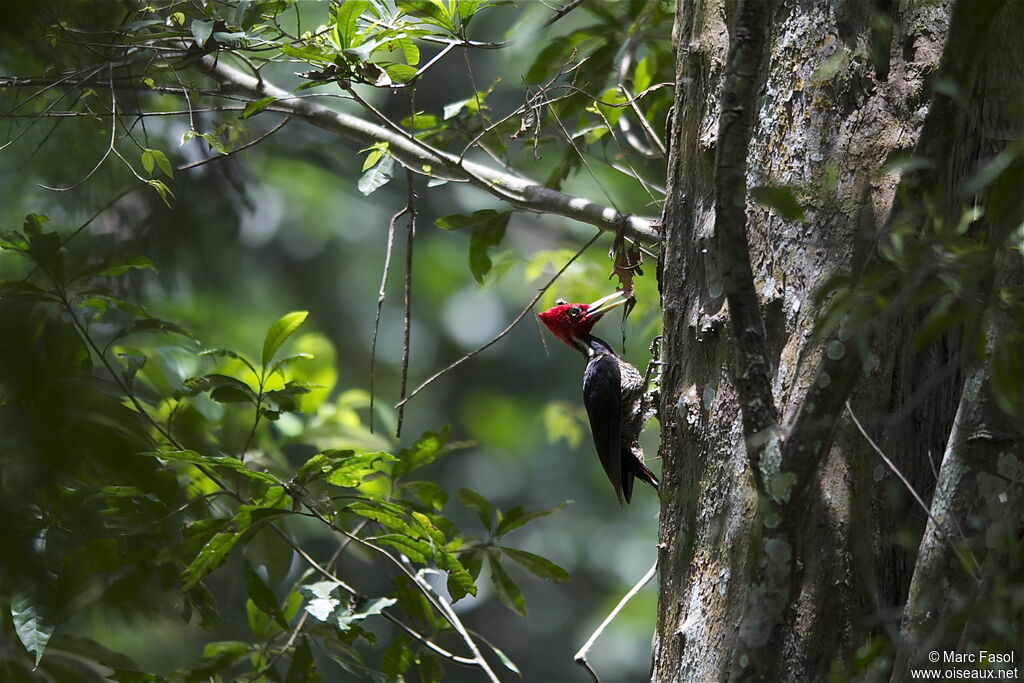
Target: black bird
(613,392)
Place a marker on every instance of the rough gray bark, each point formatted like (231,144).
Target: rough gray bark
(788,585)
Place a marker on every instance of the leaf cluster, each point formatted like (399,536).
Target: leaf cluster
(167,465)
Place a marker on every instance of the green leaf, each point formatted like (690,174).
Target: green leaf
(222,462)
(460,581)
(209,558)
(420,122)
(540,566)
(390,516)
(148,160)
(161,162)
(428,448)
(477,219)
(429,666)
(279,332)
(432,12)
(350,471)
(133,363)
(517,517)
(201,31)
(312,54)
(502,657)
(228,353)
(162,190)
(506,589)
(781,199)
(345,16)
(399,73)
(643,74)
(303,666)
(428,493)
(24,290)
(150,325)
(256,106)
(222,388)
(561,422)
(378,176)
(263,597)
(33,630)
(409,50)
(488,230)
(472,499)
(416,550)
(122,265)
(454,108)
(372,607)
(398,657)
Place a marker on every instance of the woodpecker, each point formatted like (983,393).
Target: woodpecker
(613,392)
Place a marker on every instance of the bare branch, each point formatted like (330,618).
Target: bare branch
(525,194)
(581,656)
(739,93)
(380,304)
(407,321)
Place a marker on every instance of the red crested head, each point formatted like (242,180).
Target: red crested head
(570,322)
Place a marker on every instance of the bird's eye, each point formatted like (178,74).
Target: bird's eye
(574,312)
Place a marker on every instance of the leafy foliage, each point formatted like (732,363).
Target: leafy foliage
(191,466)
(944,271)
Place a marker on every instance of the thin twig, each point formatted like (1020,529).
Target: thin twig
(380,305)
(505,331)
(910,487)
(568,7)
(581,656)
(236,150)
(407,323)
(110,145)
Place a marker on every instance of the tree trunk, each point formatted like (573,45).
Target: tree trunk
(755,582)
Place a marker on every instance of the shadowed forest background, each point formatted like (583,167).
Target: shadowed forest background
(206,269)
(283,227)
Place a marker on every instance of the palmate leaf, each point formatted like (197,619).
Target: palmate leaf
(392,517)
(416,550)
(428,493)
(472,499)
(350,470)
(518,516)
(460,581)
(428,448)
(506,589)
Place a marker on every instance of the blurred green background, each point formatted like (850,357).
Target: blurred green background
(282,227)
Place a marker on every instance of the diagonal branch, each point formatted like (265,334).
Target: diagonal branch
(739,94)
(525,194)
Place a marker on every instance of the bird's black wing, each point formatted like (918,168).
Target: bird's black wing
(603,400)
